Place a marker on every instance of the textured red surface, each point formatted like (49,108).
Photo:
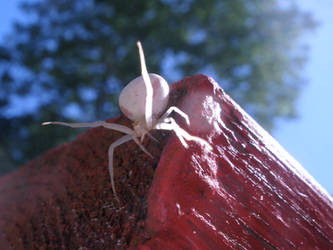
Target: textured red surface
(246,193)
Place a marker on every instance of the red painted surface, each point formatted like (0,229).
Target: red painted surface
(246,193)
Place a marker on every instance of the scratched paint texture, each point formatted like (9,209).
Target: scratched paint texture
(246,193)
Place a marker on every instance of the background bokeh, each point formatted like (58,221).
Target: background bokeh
(257,51)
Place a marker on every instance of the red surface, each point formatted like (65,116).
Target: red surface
(246,193)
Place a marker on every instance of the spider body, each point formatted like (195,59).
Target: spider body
(132,98)
(143,101)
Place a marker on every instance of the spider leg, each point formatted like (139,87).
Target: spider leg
(149,87)
(152,137)
(141,146)
(170,124)
(118,142)
(113,126)
(178,111)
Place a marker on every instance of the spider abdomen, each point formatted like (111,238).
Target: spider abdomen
(133,96)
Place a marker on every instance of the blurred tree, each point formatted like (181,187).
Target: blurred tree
(72,59)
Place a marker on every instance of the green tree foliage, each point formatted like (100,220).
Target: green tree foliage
(70,61)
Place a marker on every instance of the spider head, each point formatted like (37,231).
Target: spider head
(140,129)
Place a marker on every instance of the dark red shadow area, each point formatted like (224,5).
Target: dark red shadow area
(246,193)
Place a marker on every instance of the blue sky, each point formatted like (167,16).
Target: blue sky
(309,138)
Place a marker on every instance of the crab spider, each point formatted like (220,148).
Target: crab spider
(143,101)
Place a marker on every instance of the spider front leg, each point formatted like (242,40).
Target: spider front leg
(148,85)
(178,111)
(113,126)
(170,124)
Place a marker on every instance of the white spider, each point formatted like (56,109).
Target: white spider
(143,100)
